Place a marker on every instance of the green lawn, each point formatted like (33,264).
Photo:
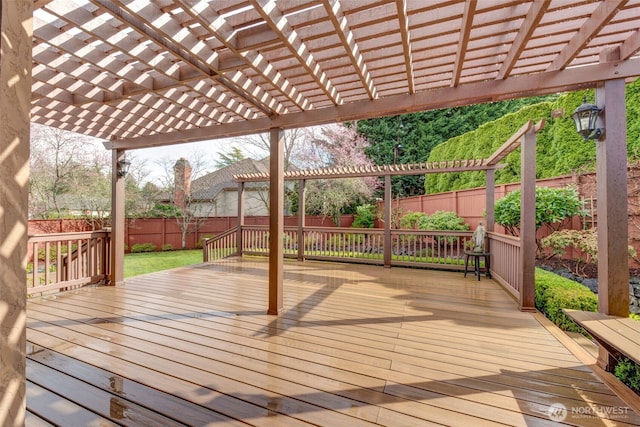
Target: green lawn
(148,262)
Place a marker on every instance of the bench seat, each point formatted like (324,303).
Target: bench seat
(618,335)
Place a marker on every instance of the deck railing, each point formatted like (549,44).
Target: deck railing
(410,248)
(505,262)
(436,249)
(67,260)
(221,246)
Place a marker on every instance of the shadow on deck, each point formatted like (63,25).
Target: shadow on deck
(355,345)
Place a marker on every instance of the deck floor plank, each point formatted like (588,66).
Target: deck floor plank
(55,409)
(355,345)
(163,403)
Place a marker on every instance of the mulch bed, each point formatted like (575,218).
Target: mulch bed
(588,271)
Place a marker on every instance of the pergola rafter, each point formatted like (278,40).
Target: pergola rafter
(273,16)
(605,11)
(377,170)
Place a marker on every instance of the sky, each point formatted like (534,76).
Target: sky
(208,150)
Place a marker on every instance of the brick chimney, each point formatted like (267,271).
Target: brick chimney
(182,182)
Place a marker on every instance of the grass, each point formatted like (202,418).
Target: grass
(148,262)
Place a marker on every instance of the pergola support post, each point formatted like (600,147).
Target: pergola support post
(15,105)
(611,173)
(240,218)
(117,220)
(490,200)
(387,221)
(528,221)
(276,220)
(301,217)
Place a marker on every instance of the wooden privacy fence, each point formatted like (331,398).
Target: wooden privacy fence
(67,260)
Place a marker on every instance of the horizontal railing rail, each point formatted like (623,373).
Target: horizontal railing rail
(220,246)
(436,249)
(67,260)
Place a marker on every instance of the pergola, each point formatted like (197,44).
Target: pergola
(152,73)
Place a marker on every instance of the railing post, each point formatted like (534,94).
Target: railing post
(239,243)
(301,218)
(387,221)
(490,199)
(489,203)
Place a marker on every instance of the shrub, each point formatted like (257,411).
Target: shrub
(553,205)
(412,219)
(364,217)
(164,211)
(444,221)
(628,372)
(553,293)
(167,247)
(584,240)
(143,247)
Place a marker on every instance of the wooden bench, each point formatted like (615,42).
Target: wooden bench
(620,336)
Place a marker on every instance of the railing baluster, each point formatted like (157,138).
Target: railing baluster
(70,267)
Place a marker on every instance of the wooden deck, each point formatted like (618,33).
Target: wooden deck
(357,345)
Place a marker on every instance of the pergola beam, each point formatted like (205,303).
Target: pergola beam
(269,11)
(403,21)
(386,170)
(341,26)
(226,34)
(630,46)
(605,11)
(539,84)
(531,21)
(514,142)
(465,31)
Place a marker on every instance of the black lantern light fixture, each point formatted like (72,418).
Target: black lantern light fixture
(123,167)
(397,151)
(585,118)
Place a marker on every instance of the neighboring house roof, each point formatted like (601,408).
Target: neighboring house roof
(209,186)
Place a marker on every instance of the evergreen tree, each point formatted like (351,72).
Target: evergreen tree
(418,133)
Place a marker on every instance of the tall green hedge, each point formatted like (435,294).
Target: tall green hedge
(553,293)
(559,149)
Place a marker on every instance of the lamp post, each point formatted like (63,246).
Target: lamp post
(585,118)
